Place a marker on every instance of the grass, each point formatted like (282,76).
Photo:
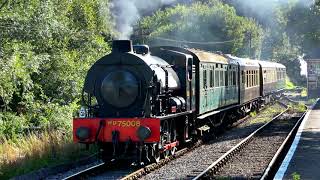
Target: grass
(253,114)
(300,107)
(304,92)
(289,84)
(266,115)
(311,101)
(296,176)
(34,151)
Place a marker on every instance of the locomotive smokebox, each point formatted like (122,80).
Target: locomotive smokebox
(122,46)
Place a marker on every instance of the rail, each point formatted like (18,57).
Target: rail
(84,172)
(218,163)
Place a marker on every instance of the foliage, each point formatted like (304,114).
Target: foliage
(253,114)
(265,115)
(288,27)
(210,21)
(11,125)
(46,49)
(289,84)
(303,26)
(297,107)
(296,176)
(304,92)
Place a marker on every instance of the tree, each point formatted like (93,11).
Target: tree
(205,21)
(46,49)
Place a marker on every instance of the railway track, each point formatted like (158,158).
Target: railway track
(108,171)
(145,172)
(256,156)
(86,172)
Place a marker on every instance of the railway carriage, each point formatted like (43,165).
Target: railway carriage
(249,83)
(143,103)
(272,78)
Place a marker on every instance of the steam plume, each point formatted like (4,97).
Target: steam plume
(264,10)
(128,12)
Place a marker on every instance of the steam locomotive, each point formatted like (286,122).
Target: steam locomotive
(142,103)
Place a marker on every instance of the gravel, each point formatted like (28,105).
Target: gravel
(251,162)
(200,158)
(116,174)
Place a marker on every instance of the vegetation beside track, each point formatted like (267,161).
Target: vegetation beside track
(266,114)
(37,151)
(289,84)
(297,107)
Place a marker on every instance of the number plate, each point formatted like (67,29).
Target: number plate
(124,123)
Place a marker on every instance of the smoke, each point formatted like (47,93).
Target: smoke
(265,11)
(128,12)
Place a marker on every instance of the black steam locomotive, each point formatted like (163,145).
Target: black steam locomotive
(144,102)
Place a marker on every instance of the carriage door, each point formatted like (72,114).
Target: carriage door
(191,85)
(204,93)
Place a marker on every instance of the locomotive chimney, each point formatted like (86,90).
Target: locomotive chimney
(122,46)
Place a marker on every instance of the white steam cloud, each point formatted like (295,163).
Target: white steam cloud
(128,12)
(264,10)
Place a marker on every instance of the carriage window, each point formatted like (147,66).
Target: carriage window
(211,78)
(204,79)
(221,78)
(226,77)
(248,84)
(242,76)
(234,78)
(247,79)
(216,78)
(255,78)
(251,78)
(230,78)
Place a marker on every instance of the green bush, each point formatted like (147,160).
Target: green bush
(11,125)
(46,49)
(289,84)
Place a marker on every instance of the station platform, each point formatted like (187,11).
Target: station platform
(303,158)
